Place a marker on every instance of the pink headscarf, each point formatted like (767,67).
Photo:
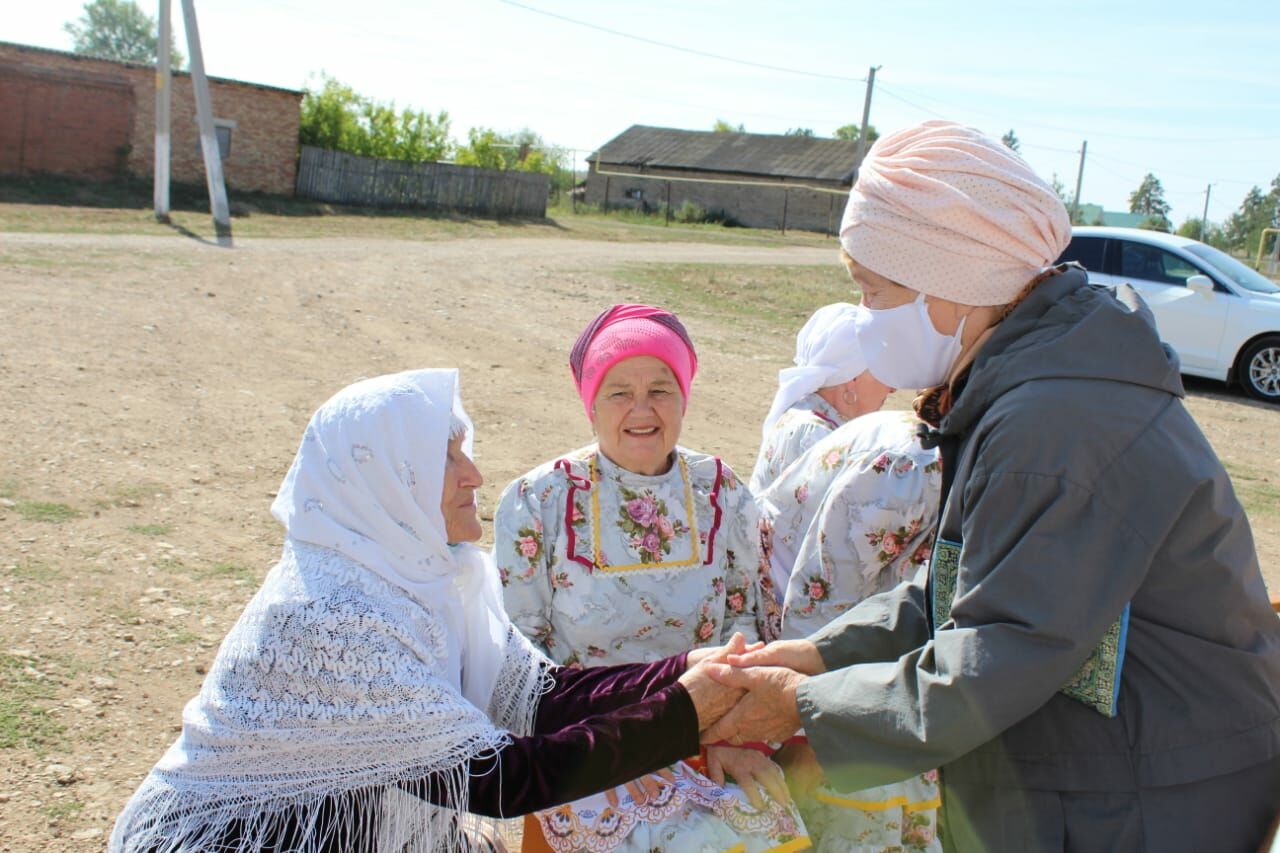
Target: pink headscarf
(949,211)
(626,331)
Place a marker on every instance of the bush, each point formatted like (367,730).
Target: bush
(690,212)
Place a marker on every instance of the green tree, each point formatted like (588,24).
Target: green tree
(1148,198)
(1077,218)
(722,126)
(1259,210)
(851,132)
(1209,233)
(118,29)
(1011,140)
(336,116)
(522,151)
(800,131)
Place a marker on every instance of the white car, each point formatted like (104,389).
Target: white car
(1220,317)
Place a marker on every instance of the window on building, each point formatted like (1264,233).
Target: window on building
(636,194)
(222,128)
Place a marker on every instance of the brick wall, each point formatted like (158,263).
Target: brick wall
(62,121)
(78,114)
(753,206)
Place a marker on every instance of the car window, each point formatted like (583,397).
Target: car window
(1149,263)
(1086,251)
(1233,269)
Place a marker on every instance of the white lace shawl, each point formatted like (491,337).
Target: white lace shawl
(343,681)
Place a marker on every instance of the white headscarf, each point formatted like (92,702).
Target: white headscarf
(827,353)
(375,654)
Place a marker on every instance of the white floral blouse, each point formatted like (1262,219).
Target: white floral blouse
(600,565)
(853,517)
(795,431)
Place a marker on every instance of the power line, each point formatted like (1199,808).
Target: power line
(682,49)
(1172,137)
(886,90)
(1073,151)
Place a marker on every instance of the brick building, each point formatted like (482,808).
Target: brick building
(757,180)
(76,115)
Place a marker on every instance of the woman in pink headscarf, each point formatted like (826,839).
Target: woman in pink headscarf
(633,549)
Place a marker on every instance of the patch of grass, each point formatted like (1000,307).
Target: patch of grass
(125,615)
(1259,493)
(170,563)
(24,722)
(131,495)
(631,225)
(149,529)
(62,809)
(46,511)
(8,487)
(195,603)
(229,570)
(780,297)
(183,637)
(49,204)
(33,570)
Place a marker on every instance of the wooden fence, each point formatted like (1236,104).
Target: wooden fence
(341,178)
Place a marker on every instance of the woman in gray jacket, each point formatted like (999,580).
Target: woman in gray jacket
(1090,657)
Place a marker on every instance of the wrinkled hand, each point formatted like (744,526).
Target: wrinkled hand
(711,699)
(768,710)
(752,770)
(803,772)
(642,789)
(799,655)
(737,645)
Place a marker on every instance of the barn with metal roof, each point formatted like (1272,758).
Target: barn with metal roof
(752,179)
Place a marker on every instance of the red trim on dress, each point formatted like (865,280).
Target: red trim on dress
(579,483)
(820,416)
(576,484)
(715,521)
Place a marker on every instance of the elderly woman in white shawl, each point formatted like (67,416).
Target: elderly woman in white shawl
(373,694)
(828,386)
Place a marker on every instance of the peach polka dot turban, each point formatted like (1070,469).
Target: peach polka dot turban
(948,211)
(626,331)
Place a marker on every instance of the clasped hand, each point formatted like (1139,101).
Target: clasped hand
(748,693)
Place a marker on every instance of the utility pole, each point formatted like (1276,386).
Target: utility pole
(208,135)
(164,87)
(1204,218)
(1075,202)
(866,114)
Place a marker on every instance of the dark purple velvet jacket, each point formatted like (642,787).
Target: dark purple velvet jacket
(577,747)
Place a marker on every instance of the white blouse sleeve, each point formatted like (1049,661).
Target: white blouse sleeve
(783,447)
(521,553)
(741,541)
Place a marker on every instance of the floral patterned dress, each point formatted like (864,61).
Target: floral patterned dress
(796,430)
(854,516)
(601,565)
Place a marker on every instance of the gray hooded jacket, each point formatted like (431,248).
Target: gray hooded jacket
(1080,485)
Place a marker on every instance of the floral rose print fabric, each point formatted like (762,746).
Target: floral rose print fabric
(646,566)
(799,428)
(852,517)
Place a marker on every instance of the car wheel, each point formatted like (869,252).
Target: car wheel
(1258,370)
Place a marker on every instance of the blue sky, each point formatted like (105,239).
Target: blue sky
(1189,91)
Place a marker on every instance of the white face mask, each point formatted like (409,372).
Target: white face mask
(902,348)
